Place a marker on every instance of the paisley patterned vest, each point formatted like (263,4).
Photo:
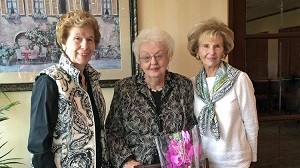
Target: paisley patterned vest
(74,135)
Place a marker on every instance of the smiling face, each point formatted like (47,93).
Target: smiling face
(158,63)
(80,46)
(211,52)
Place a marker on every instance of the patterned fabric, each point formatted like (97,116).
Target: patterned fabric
(225,77)
(74,135)
(134,120)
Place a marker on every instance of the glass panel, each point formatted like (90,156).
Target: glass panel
(290,96)
(272,63)
(273,66)
(271,15)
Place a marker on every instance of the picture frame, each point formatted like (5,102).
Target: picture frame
(23,81)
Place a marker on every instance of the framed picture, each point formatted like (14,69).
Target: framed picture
(26,39)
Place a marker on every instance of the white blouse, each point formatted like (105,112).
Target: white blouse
(238,125)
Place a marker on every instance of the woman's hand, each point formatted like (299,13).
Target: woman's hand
(131,164)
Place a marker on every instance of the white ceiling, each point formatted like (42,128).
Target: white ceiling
(260,8)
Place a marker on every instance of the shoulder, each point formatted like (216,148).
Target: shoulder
(44,81)
(243,77)
(125,83)
(91,70)
(44,77)
(45,74)
(244,81)
(180,79)
(51,71)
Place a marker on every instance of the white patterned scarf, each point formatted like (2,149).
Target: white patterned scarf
(225,78)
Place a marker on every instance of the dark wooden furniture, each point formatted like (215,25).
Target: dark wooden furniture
(206,165)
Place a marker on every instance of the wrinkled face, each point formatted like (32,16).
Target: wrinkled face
(154,59)
(211,52)
(80,45)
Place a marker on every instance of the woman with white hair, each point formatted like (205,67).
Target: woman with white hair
(149,104)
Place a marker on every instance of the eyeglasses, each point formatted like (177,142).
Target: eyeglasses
(146,57)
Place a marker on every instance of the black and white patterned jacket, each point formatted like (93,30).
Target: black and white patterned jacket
(134,120)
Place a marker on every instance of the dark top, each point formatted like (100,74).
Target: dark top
(157,100)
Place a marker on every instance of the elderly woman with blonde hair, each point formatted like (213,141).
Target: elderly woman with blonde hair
(225,105)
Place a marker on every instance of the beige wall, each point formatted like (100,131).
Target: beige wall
(175,16)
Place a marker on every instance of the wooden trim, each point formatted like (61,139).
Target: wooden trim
(237,23)
(272,14)
(273,35)
(205,164)
(279,118)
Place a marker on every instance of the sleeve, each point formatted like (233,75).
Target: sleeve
(119,151)
(189,105)
(247,103)
(43,117)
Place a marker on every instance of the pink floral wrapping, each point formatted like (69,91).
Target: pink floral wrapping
(181,150)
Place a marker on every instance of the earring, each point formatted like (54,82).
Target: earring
(197,56)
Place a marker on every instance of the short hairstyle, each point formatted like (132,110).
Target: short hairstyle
(77,18)
(154,35)
(209,29)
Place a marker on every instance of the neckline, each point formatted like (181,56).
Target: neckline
(156,90)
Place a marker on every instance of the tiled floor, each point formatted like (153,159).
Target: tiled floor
(278,145)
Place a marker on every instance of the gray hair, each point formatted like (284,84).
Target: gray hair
(154,35)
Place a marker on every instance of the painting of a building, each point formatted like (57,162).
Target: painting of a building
(27,32)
